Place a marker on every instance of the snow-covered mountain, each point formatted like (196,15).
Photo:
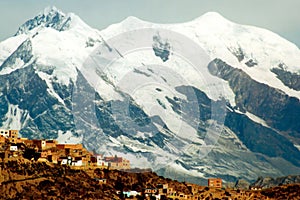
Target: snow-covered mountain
(204,98)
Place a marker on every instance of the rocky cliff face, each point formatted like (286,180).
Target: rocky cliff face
(290,79)
(274,106)
(269,182)
(25,97)
(269,104)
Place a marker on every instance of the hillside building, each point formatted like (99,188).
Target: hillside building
(214,182)
(117,162)
(11,135)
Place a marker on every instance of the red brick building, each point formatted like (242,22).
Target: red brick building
(214,182)
(117,162)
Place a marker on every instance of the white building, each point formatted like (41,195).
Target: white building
(131,193)
(101,161)
(77,163)
(4,132)
(64,161)
(13,148)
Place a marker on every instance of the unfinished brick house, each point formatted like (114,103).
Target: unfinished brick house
(214,182)
(117,162)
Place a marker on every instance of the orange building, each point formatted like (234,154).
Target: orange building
(69,146)
(37,144)
(149,191)
(78,154)
(11,135)
(74,150)
(40,145)
(2,139)
(49,144)
(21,140)
(215,182)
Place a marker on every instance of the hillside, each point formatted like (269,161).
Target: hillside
(32,180)
(24,179)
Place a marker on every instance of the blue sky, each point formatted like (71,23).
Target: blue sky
(282,17)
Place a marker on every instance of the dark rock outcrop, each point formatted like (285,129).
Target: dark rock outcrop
(274,106)
(292,80)
(269,182)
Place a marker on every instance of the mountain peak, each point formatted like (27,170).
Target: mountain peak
(213,14)
(131,20)
(51,17)
(51,10)
(212,17)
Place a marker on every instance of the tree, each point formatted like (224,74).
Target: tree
(152,198)
(139,197)
(30,153)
